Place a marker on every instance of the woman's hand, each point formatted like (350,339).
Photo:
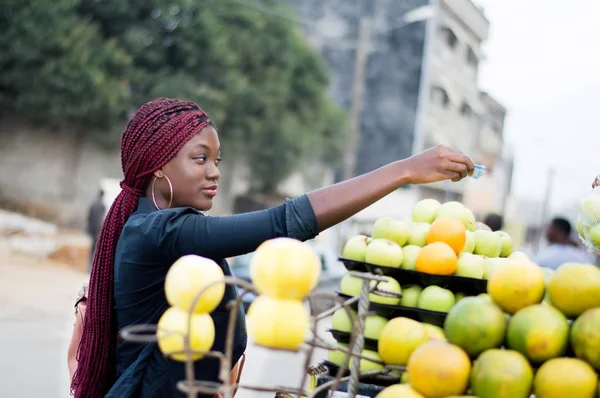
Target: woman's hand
(438,164)
(596,182)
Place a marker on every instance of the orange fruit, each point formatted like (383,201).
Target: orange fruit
(450,231)
(437,258)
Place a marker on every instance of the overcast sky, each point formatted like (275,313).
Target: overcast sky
(543,64)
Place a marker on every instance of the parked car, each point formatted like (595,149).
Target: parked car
(331,274)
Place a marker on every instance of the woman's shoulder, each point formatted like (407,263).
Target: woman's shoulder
(159,225)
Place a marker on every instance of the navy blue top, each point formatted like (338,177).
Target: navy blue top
(150,243)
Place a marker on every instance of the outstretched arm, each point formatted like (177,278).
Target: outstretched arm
(304,217)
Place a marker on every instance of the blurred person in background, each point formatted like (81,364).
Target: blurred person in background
(494,221)
(561,249)
(170,154)
(596,182)
(94,221)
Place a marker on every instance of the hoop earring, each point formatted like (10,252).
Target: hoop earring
(154,197)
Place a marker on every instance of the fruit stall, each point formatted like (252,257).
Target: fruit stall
(431,307)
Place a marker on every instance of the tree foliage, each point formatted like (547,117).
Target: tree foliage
(90,61)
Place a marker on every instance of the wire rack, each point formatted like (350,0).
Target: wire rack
(192,387)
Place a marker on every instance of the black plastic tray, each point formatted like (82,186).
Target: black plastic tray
(468,286)
(394,311)
(379,380)
(364,389)
(344,338)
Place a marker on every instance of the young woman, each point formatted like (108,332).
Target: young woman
(170,158)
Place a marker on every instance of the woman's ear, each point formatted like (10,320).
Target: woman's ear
(159,173)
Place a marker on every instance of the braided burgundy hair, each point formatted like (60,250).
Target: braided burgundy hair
(154,135)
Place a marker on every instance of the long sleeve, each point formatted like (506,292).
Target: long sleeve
(222,237)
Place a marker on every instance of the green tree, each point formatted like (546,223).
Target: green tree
(57,68)
(254,73)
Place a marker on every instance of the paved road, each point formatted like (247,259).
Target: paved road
(35,324)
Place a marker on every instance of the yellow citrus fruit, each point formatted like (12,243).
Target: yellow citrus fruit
(475,325)
(175,323)
(188,277)
(438,369)
(501,374)
(565,377)
(585,337)
(437,258)
(450,231)
(399,391)
(517,285)
(278,323)
(539,332)
(399,338)
(285,268)
(575,288)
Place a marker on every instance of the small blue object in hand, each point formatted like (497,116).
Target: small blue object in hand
(478,172)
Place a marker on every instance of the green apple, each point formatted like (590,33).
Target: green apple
(594,236)
(337,357)
(374,324)
(384,252)
(351,285)
(487,243)
(469,265)
(424,210)
(469,220)
(579,226)
(506,243)
(365,364)
(486,297)
(469,243)
(520,256)
(356,248)
(391,229)
(409,257)
(590,210)
(492,265)
(410,295)
(418,234)
(341,320)
(435,298)
(390,285)
(459,296)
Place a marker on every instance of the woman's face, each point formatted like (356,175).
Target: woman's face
(194,173)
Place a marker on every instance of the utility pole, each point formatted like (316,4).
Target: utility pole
(358,89)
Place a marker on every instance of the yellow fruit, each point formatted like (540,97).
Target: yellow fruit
(585,337)
(475,325)
(517,285)
(575,288)
(187,277)
(434,332)
(565,377)
(437,258)
(399,391)
(437,369)
(399,338)
(337,357)
(539,332)
(278,323)
(285,268)
(174,324)
(501,374)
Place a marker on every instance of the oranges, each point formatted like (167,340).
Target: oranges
(449,231)
(437,258)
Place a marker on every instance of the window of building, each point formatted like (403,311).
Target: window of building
(439,96)
(472,57)
(466,110)
(449,37)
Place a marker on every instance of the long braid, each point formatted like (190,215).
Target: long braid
(154,135)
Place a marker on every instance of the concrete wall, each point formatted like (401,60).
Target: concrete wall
(50,173)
